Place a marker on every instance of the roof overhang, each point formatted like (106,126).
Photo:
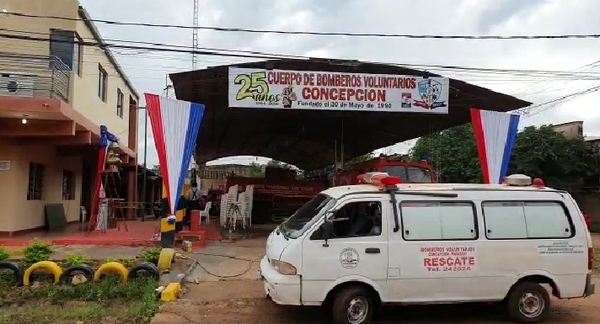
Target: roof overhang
(306,138)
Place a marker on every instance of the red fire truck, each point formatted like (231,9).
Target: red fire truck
(279,193)
(395,165)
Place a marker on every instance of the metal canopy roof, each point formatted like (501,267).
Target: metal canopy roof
(305,138)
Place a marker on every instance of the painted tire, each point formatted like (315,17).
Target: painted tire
(87,271)
(144,269)
(48,265)
(165,259)
(114,267)
(16,269)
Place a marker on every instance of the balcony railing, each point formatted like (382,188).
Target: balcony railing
(27,75)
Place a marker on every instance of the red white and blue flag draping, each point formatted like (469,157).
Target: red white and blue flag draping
(175,126)
(106,138)
(495,135)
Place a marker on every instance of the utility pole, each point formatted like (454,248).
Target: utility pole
(195,36)
(167,86)
(145,168)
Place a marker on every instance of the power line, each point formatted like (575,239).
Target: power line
(496,75)
(263,55)
(541,107)
(160,47)
(311,33)
(527,91)
(527,111)
(93,40)
(157,49)
(254,54)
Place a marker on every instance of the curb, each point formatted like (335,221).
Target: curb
(173,283)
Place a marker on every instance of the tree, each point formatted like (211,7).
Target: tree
(327,171)
(256,170)
(278,164)
(452,154)
(565,163)
(359,159)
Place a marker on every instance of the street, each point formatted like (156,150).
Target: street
(234,302)
(241,299)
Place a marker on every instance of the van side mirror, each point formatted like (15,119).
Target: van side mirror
(327,231)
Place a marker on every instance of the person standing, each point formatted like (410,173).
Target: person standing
(193,196)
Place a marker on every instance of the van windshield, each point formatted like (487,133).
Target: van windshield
(306,216)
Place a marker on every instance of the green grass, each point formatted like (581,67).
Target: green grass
(107,301)
(595,228)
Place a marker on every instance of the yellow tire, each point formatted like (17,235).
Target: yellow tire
(165,259)
(111,267)
(48,265)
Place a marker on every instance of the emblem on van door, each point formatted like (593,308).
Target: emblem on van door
(349,258)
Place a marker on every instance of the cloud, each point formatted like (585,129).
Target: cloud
(503,17)
(498,12)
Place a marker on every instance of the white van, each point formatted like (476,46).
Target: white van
(353,248)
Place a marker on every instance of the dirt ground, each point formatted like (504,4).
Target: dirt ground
(232,302)
(243,301)
(596,240)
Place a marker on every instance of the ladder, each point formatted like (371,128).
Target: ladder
(105,206)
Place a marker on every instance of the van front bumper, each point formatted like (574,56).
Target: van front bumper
(282,289)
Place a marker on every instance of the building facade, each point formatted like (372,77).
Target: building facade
(56,88)
(571,130)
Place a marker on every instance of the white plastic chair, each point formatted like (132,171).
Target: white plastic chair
(242,209)
(231,207)
(247,206)
(223,210)
(206,213)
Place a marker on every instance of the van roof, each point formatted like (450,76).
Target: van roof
(337,192)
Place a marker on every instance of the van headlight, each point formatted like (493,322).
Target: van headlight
(283,267)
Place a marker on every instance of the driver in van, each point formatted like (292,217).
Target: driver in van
(366,222)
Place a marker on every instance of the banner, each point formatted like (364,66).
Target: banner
(175,126)
(282,89)
(495,135)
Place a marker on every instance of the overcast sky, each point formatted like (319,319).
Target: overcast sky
(147,70)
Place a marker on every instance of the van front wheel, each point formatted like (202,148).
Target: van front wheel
(353,305)
(528,302)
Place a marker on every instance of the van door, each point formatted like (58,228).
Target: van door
(359,250)
(434,255)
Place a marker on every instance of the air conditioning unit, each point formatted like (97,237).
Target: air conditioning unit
(17,85)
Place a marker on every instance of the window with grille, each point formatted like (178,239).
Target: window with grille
(68,185)
(66,46)
(35,185)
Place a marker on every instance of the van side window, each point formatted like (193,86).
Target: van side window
(358,219)
(434,220)
(526,219)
